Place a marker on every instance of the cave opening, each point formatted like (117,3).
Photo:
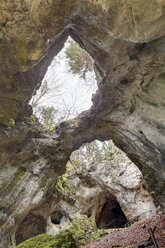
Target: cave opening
(102,163)
(111,215)
(31,226)
(67,87)
(56,217)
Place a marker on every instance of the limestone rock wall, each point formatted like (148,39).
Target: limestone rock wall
(33,32)
(126,41)
(88,188)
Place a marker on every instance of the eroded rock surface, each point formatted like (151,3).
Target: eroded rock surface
(127,42)
(112,192)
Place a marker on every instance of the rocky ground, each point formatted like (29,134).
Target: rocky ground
(135,235)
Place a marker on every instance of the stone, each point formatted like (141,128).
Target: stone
(111,190)
(126,42)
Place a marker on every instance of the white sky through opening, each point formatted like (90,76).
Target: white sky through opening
(73,90)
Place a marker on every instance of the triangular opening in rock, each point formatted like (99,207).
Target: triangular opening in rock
(67,87)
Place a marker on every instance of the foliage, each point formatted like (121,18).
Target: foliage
(47,116)
(78,59)
(80,63)
(34,118)
(61,181)
(158,209)
(44,92)
(94,152)
(78,234)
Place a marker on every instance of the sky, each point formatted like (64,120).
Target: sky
(67,89)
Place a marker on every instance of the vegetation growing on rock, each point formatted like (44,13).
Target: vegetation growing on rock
(78,59)
(60,184)
(80,233)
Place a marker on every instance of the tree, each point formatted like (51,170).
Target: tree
(94,152)
(46,91)
(47,116)
(78,59)
(80,63)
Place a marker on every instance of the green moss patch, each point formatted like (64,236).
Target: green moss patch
(21,52)
(80,233)
(64,240)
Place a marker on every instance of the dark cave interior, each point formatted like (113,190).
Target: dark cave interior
(111,215)
(56,217)
(32,225)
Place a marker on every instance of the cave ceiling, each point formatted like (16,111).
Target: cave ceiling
(126,40)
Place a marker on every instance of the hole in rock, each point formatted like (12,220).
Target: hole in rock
(124,81)
(56,217)
(140,46)
(95,162)
(31,226)
(67,87)
(100,182)
(111,215)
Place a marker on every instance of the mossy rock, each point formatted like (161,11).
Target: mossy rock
(79,234)
(61,240)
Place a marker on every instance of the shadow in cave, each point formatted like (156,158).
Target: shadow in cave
(56,217)
(32,225)
(111,216)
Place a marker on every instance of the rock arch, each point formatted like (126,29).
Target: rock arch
(128,106)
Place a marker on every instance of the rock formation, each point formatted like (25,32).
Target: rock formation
(127,42)
(111,191)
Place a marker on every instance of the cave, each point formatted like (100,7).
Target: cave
(32,225)
(111,216)
(130,112)
(65,101)
(56,217)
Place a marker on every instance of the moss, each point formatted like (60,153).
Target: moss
(21,52)
(8,110)
(11,122)
(34,118)
(65,186)
(61,240)
(85,230)
(61,181)
(6,121)
(20,173)
(38,241)
(69,167)
(158,209)
(79,234)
